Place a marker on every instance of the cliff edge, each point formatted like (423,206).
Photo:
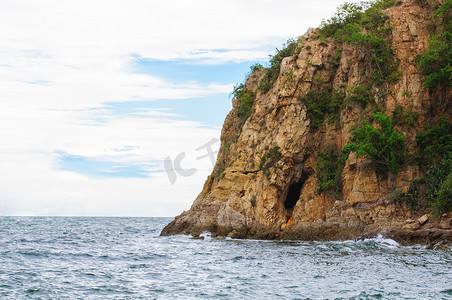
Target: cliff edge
(293,161)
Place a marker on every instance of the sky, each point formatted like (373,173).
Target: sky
(113,108)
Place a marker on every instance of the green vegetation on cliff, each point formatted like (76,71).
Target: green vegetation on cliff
(384,145)
(436,62)
(272,72)
(245,99)
(364,25)
(328,167)
(439,186)
(434,142)
(436,153)
(386,148)
(322,105)
(401,116)
(361,93)
(351,17)
(433,192)
(269,159)
(360,24)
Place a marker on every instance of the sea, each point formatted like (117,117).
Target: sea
(125,258)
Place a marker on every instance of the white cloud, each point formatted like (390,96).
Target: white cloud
(62,61)
(37,189)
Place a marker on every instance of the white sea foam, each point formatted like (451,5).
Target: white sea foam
(386,241)
(206,235)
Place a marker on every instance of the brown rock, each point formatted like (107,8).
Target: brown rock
(446,223)
(422,220)
(412,226)
(423,236)
(247,196)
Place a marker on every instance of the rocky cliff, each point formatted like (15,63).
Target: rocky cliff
(267,182)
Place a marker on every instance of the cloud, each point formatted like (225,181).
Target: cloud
(97,88)
(99,167)
(37,189)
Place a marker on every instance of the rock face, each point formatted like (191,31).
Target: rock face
(242,199)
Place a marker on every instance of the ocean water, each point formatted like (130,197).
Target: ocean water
(124,258)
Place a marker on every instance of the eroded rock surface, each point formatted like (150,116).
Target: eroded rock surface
(245,201)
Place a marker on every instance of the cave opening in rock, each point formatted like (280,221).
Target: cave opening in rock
(293,195)
(294,192)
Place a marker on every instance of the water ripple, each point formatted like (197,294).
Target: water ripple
(123,258)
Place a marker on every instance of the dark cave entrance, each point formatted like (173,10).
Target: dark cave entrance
(294,192)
